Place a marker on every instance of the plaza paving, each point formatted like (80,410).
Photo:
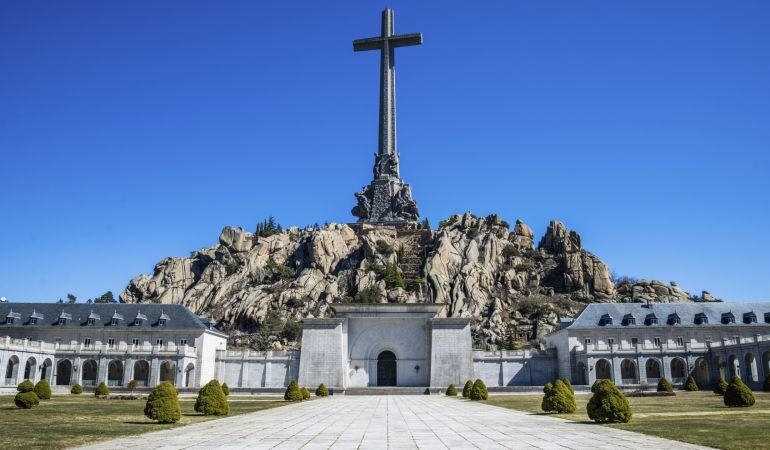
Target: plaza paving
(391,422)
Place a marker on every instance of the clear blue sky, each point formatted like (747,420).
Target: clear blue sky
(135,130)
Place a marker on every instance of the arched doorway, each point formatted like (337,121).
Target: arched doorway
(751,368)
(63,372)
(115,373)
(734,364)
(701,372)
(142,372)
(678,371)
(652,367)
(168,372)
(386,369)
(90,371)
(12,370)
(720,364)
(189,374)
(45,370)
(628,372)
(603,370)
(30,368)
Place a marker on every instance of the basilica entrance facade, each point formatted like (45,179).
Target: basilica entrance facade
(387,372)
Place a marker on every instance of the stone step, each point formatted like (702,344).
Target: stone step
(389,390)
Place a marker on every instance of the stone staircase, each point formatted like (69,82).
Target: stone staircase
(415,247)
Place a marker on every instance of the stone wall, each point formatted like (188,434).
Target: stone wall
(515,368)
(252,369)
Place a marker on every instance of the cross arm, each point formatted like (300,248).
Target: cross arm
(401,40)
(405,40)
(362,45)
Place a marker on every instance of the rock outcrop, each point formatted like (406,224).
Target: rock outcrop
(476,266)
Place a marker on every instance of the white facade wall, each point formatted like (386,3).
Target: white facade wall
(252,369)
(515,367)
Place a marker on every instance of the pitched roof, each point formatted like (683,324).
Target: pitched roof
(77,315)
(687,311)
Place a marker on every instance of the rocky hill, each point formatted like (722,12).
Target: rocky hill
(258,286)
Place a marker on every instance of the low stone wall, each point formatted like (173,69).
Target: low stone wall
(515,367)
(252,369)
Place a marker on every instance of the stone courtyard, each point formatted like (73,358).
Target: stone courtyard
(392,422)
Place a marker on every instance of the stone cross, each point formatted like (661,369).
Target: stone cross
(387,156)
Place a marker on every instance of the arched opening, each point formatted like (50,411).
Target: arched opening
(63,373)
(701,372)
(720,364)
(628,372)
(115,373)
(580,374)
(734,365)
(90,371)
(678,370)
(386,369)
(30,368)
(142,372)
(766,363)
(12,370)
(45,370)
(603,370)
(168,372)
(189,374)
(751,368)
(652,367)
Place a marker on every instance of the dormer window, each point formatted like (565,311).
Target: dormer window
(162,322)
(115,319)
(605,320)
(164,318)
(62,321)
(33,320)
(728,318)
(12,317)
(34,317)
(750,317)
(629,319)
(651,319)
(114,322)
(137,322)
(767,317)
(701,319)
(673,319)
(9,320)
(64,317)
(139,319)
(91,321)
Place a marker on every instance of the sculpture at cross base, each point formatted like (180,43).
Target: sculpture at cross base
(387,198)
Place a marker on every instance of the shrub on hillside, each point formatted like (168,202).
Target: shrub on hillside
(665,386)
(163,404)
(321,391)
(766,384)
(479,390)
(226,389)
(467,389)
(721,386)
(25,386)
(212,400)
(608,404)
(101,390)
(451,391)
(292,393)
(76,389)
(690,384)
(26,400)
(738,394)
(43,390)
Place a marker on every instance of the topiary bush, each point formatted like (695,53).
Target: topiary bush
(690,384)
(665,386)
(76,389)
(226,389)
(479,390)
(721,387)
(132,385)
(738,394)
(451,391)
(212,400)
(608,404)
(292,393)
(568,383)
(101,390)
(163,404)
(547,403)
(467,389)
(43,390)
(321,391)
(305,393)
(26,400)
(557,397)
(25,386)
(766,384)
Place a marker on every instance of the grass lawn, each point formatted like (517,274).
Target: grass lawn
(695,417)
(67,421)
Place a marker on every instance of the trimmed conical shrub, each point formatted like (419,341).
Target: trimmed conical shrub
(665,386)
(226,389)
(690,384)
(467,389)
(163,404)
(25,386)
(721,386)
(43,390)
(292,393)
(305,393)
(766,384)
(76,389)
(608,404)
(451,391)
(26,400)
(101,390)
(212,400)
(547,403)
(558,398)
(321,391)
(738,394)
(568,383)
(479,390)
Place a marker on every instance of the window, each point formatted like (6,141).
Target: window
(137,322)
(587,341)
(9,320)
(162,322)
(634,341)
(159,342)
(33,320)
(91,321)
(62,321)
(183,342)
(610,341)
(737,339)
(111,343)
(114,321)
(135,341)
(87,342)
(656,342)
(57,340)
(708,340)
(680,341)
